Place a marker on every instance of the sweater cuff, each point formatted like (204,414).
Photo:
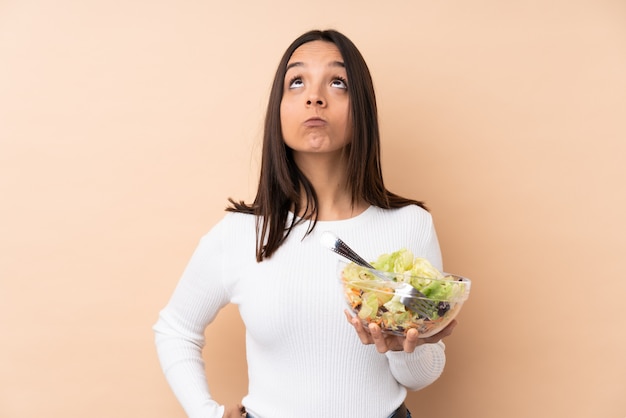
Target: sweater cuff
(420,368)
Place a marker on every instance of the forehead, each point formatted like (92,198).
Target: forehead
(316,52)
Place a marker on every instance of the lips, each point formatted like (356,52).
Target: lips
(314,122)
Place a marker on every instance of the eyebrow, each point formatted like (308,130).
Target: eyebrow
(301,64)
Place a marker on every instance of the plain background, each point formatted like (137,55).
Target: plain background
(124,127)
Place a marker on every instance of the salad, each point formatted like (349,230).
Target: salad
(375,300)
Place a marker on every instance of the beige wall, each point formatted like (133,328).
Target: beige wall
(124,126)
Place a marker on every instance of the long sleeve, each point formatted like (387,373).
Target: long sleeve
(418,369)
(179,331)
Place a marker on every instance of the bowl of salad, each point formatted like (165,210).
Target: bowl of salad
(380,296)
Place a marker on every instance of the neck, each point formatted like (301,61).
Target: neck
(328,178)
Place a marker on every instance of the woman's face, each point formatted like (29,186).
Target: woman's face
(315,107)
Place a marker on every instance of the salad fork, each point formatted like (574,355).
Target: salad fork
(410,297)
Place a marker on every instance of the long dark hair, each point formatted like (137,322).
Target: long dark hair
(281,182)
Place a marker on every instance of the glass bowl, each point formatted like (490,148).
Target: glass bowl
(377,297)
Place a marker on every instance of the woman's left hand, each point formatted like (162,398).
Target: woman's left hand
(389,342)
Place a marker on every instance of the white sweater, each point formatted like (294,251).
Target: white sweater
(304,358)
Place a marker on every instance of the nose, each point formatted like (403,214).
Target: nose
(318,102)
(315,98)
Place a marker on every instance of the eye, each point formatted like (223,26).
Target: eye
(295,82)
(340,83)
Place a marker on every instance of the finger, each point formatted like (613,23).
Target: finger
(442,334)
(378,338)
(348,315)
(363,333)
(411,340)
(358,326)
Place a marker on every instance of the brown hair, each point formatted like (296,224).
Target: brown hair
(281,182)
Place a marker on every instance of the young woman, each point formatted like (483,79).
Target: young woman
(320,172)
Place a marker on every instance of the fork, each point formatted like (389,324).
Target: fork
(410,297)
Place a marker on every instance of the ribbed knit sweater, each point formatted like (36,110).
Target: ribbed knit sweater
(304,358)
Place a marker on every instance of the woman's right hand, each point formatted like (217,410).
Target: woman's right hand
(234,411)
